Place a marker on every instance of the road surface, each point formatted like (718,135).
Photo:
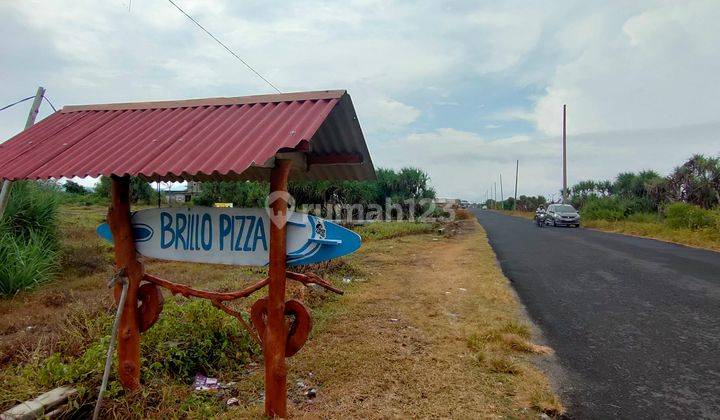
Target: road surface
(635,323)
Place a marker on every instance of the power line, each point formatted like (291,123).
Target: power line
(224,46)
(49,103)
(17,102)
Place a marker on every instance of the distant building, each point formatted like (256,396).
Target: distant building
(448,202)
(184,195)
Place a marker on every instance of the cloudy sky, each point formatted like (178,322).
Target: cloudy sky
(460,89)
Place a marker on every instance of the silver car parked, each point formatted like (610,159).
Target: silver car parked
(562,215)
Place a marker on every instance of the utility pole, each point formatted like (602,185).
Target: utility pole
(517,167)
(564,191)
(495,195)
(502,197)
(7,184)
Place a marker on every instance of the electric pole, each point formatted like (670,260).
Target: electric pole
(7,184)
(502,197)
(495,195)
(517,167)
(564,191)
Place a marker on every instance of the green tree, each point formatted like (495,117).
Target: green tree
(697,181)
(394,187)
(526,203)
(75,188)
(140,190)
(240,193)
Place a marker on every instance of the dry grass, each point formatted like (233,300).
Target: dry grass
(708,238)
(395,229)
(463,214)
(517,213)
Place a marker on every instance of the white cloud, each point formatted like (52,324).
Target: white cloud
(655,69)
(386,114)
(464,164)
(381,52)
(417,73)
(512,114)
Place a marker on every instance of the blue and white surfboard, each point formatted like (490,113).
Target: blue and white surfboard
(233,236)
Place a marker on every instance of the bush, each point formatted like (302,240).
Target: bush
(32,208)
(644,218)
(28,237)
(240,193)
(140,190)
(684,215)
(83,200)
(72,187)
(26,261)
(637,205)
(193,336)
(603,208)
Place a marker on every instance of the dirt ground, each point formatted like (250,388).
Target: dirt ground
(418,337)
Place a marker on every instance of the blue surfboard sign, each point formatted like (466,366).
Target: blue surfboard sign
(234,236)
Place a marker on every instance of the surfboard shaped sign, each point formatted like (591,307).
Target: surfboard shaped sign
(236,236)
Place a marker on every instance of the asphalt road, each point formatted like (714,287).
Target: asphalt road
(635,323)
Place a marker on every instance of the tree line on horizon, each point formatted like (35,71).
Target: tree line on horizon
(696,182)
(406,188)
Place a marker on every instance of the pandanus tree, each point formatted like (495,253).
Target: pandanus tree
(697,181)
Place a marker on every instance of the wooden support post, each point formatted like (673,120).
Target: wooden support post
(275,336)
(126,257)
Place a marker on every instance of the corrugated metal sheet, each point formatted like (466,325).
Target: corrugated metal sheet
(216,138)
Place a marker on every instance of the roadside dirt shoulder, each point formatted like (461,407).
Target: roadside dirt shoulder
(435,330)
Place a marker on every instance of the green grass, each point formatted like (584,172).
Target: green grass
(191,336)
(26,261)
(28,238)
(387,230)
(687,216)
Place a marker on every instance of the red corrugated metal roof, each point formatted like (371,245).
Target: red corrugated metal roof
(195,139)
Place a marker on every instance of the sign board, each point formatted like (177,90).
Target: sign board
(223,205)
(237,236)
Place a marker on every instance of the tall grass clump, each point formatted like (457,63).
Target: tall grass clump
(688,216)
(28,237)
(604,208)
(389,230)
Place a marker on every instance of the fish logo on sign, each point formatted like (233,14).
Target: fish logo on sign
(234,236)
(142,232)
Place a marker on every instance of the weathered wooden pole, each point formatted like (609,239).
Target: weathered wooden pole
(276,331)
(126,258)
